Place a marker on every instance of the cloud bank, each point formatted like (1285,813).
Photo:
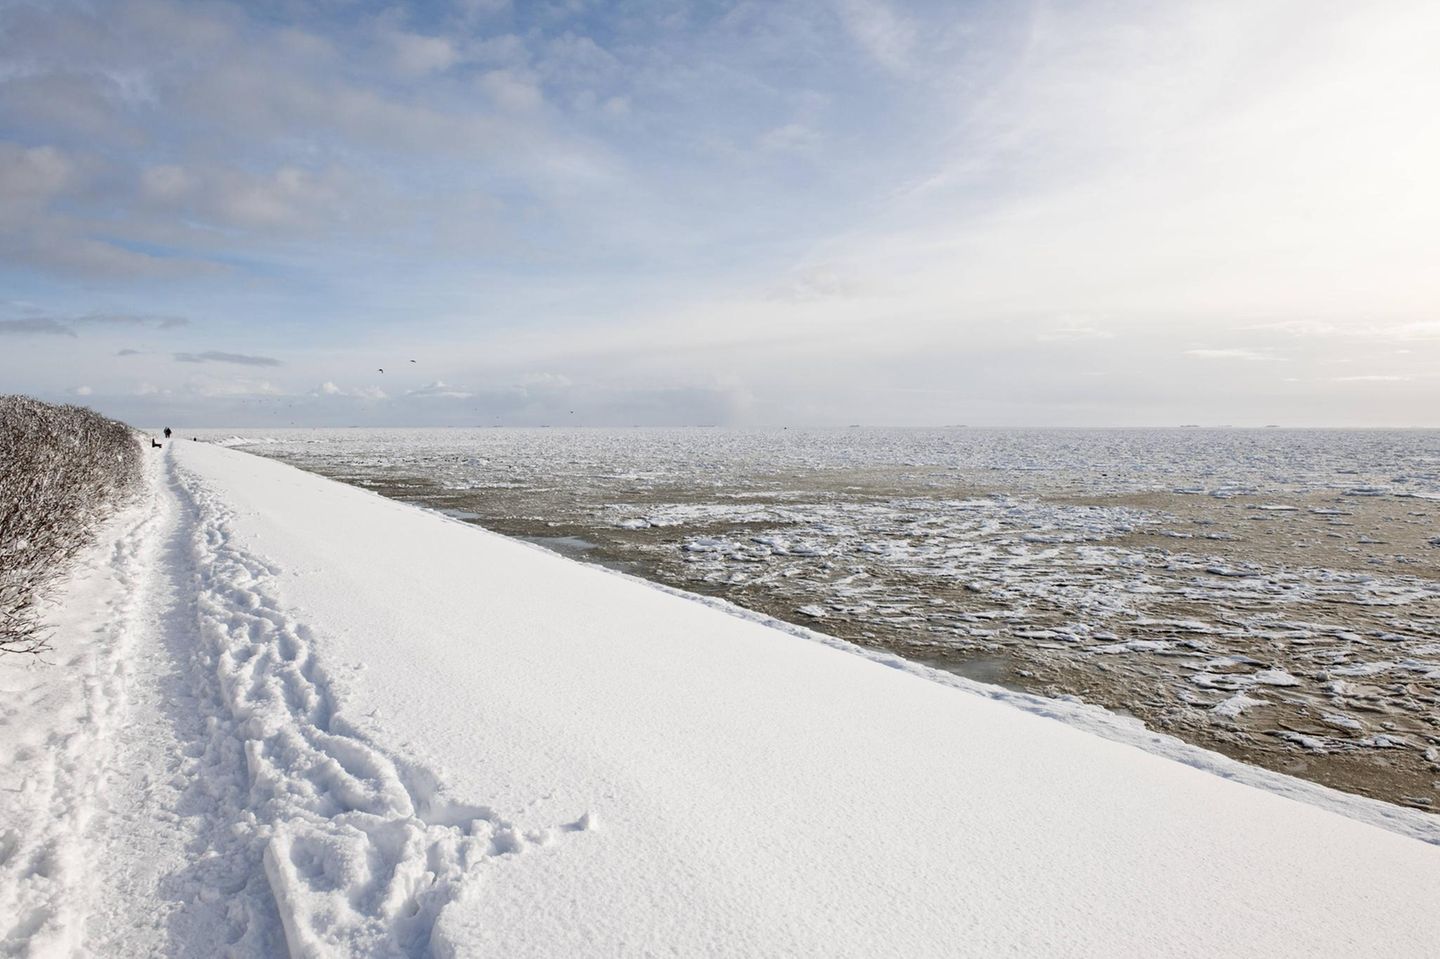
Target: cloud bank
(822,211)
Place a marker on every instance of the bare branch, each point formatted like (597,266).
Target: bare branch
(63,470)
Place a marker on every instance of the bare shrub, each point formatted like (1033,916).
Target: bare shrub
(63,469)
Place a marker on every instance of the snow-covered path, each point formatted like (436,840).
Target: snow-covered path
(290,715)
(171,840)
(62,724)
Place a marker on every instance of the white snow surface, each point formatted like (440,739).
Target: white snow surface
(289,716)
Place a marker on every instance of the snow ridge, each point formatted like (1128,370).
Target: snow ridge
(362,851)
(1098,721)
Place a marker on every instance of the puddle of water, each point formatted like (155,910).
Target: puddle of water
(993,670)
(565,545)
(583,550)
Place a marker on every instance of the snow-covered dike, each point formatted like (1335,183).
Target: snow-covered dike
(291,715)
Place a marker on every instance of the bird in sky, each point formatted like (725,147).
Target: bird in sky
(382,369)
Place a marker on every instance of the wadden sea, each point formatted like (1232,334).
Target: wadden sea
(1270,594)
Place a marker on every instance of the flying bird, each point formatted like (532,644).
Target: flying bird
(382,370)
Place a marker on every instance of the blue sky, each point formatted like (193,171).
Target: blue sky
(822,212)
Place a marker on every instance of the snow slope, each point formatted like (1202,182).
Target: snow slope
(317,720)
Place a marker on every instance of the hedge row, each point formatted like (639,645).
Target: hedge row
(63,470)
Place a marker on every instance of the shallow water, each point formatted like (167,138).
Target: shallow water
(1271,594)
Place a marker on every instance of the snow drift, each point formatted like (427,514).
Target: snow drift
(412,737)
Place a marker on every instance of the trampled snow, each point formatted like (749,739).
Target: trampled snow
(321,721)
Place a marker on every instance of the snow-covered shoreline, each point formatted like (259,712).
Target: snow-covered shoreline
(406,736)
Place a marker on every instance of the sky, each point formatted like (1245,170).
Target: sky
(663,212)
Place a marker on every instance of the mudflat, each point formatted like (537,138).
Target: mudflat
(1285,612)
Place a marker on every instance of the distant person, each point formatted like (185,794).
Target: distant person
(167,432)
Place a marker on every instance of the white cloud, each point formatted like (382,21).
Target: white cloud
(482,8)
(166,182)
(30,326)
(217,356)
(286,198)
(546,381)
(1226,354)
(821,282)
(38,229)
(1357,329)
(213,386)
(329,388)
(1029,194)
(511,91)
(441,390)
(1071,329)
(885,35)
(31,177)
(415,55)
(789,138)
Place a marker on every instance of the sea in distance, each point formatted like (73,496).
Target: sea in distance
(1270,594)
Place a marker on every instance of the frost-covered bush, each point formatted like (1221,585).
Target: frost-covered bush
(62,470)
